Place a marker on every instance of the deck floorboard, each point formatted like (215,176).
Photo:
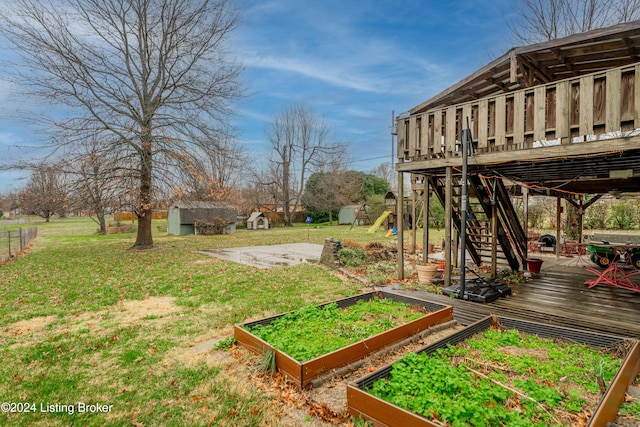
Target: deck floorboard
(559,297)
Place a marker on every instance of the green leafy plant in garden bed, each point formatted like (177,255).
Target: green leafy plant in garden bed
(316,330)
(500,378)
(631,408)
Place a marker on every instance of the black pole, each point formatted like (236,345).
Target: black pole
(465,137)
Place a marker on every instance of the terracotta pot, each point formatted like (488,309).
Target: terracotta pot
(426,272)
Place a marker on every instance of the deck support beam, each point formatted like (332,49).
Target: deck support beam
(448,222)
(400,220)
(525,224)
(413,221)
(558,218)
(425,220)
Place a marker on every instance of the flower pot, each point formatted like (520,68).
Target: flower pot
(426,272)
(534,265)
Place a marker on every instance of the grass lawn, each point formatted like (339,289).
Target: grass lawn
(86,321)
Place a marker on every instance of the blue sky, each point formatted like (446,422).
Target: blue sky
(352,62)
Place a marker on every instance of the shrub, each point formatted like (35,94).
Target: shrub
(621,216)
(216,226)
(595,218)
(352,257)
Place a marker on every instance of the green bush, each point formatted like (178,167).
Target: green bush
(352,257)
(595,218)
(621,216)
(436,214)
(536,216)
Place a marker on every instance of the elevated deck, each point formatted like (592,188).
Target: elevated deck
(559,118)
(580,133)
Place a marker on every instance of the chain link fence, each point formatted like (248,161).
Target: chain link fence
(13,242)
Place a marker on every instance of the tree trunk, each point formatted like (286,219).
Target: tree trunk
(285,194)
(144,238)
(101,222)
(571,227)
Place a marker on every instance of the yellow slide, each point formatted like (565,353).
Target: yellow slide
(378,222)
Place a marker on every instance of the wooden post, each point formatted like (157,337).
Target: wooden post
(580,219)
(455,245)
(448,209)
(563,128)
(400,221)
(494,230)
(558,216)
(413,221)
(525,220)
(425,220)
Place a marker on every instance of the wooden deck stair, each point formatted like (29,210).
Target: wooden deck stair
(483,195)
(511,237)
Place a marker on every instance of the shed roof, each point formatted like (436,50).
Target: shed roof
(202,204)
(352,207)
(204,210)
(540,63)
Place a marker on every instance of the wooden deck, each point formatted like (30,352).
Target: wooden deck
(556,296)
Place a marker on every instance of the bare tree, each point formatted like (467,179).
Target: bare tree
(544,20)
(150,76)
(385,171)
(300,141)
(45,194)
(213,174)
(96,183)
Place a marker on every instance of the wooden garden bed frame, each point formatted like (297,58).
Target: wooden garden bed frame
(385,414)
(303,373)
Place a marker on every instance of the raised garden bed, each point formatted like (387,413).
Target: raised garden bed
(526,388)
(304,371)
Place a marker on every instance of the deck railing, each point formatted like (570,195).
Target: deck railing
(592,107)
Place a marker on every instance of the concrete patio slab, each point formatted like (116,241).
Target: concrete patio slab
(270,255)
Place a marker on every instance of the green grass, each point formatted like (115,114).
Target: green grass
(85,319)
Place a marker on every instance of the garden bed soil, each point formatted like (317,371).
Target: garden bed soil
(363,403)
(304,372)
